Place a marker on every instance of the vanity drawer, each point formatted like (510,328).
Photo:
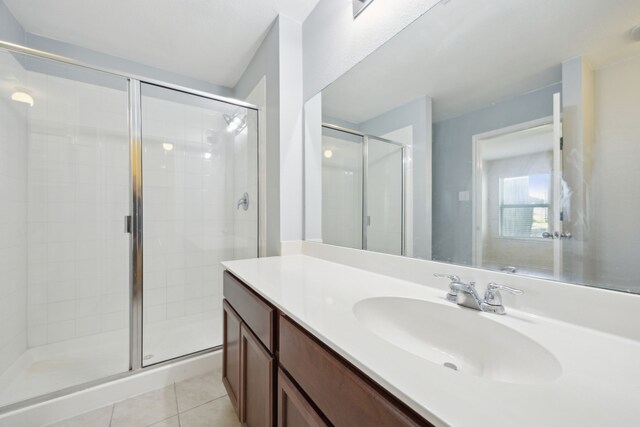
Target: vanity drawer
(255,313)
(343,394)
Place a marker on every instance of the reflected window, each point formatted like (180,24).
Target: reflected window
(525,206)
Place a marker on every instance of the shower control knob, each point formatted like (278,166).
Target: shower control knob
(243,202)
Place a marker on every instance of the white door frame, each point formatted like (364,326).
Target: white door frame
(557,186)
(477,193)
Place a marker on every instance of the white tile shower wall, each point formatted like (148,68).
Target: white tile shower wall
(189,211)
(13,213)
(78,174)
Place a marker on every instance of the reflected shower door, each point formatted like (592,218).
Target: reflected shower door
(384,189)
(342,171)
(200,194)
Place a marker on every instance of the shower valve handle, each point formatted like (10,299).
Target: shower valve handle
(243,202)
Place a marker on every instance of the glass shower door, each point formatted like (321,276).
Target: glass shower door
(200,204)
(342,172)
(384,190)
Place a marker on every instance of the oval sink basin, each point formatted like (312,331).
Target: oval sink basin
(458,339)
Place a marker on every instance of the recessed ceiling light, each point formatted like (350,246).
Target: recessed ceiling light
(359,6)
(24,97)
(328,153)
(167,146)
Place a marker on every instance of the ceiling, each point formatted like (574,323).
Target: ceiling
(520,143)
(467,54)
(209,40)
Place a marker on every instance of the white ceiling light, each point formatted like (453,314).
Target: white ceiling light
(237,122)
(20,96)
(328,153)
(167,146)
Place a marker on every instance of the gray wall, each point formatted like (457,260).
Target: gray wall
(453,166)
(279,60)
(265,63)
(333,42)
(10,30)
(122,65)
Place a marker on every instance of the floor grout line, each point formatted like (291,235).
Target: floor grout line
(202,404)
(113,408)
(175,393)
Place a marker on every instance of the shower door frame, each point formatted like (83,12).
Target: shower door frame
(365,175)
(133,223)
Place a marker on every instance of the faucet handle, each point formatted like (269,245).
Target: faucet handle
(451,277)
(452,295)
(493,286)
(492,294)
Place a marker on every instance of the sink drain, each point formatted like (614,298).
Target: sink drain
(148,356)
(450,366)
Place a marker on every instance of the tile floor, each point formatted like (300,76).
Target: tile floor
(197,402)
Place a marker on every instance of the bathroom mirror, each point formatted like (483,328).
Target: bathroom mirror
(501,135)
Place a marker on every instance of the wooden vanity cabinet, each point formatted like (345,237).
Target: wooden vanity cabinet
(276,372)
(248,363)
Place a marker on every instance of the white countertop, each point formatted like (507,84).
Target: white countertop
(599,384)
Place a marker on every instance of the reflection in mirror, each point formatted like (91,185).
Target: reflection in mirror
(519,136)
(362,191)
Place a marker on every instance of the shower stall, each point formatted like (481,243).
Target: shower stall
(363,191)
(119,197)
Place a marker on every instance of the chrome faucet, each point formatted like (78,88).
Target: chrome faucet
(466,294)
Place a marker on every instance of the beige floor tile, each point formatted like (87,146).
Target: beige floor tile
(98,418)
(218,413)
(146,409)
(169,422)
(198,390)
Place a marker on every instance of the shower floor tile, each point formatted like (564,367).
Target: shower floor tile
(44,369)
(52,367)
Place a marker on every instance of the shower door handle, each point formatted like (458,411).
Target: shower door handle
(127,224)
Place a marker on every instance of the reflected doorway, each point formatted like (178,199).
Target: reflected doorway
(517,201)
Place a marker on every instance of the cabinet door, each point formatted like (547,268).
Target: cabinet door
(293,408)
(231,354)
(256,381)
